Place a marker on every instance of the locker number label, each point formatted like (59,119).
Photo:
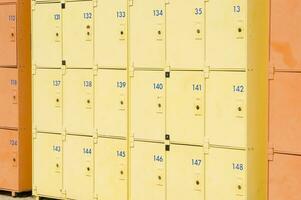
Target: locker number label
(57,17)
(120,14)
(88,15)
(121,154)
(238,88)
(236,8)
(13,142)
(198,11)
(121,84)
(12,18)
(158,13)
(158,86)
(196,87)
(87,151)
(56,148)
(238,166)
(88,84)
(196,162)
(158,158)
(13,82)
(56,83)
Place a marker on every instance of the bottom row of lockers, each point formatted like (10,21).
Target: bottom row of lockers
(81,167)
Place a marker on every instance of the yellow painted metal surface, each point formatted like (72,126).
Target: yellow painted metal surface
(111,169)
(78,101)
(47,100)
(48,173)
(78,170)
(185,100)
(110,110)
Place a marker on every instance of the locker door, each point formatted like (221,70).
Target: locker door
(185,107)
(226,108)
(185,173)
(148,105)
(226,174)
(78,101)
(47,38)
(147,39)
(285,112)
(9,98)
(9,167)
(148,171)
(185,29)
(78,167)
(111,169)
(285,35)
(111,102)
(226,34)
(47,164)
(78,34)
(111,34)
(284,177)
(8,37)
(47,100)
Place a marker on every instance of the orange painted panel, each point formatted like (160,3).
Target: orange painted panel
(8,35)
(285,34)
(9,98)
(285,112)
(9,159)
(284,177)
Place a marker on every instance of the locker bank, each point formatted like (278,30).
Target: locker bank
(284,101)
(15,101)
(140,99)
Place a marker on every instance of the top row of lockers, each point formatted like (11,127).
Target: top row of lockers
(149,35)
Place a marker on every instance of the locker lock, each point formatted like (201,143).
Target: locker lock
(197,183)
(12,34)
(88,33)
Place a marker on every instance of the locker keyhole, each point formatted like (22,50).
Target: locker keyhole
(121,32)
(88,169)
(159,32)
(197,182)
(198,31)
(239,109)
(121,102)
(57,165)
(88,101)
(57,100)
(239,30)
(159,105)
(14,159)
(239,187)
(121,172)
(197,107)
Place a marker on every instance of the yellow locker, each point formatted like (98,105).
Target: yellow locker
(47,100)
(46,32)
(111,102)
(148,171)
(226,121)
(111,34)
(147,37)
(78,101)
(185,29)
(47,164)
(148,105)
(185,107)
(226,173)
(226,33)
(78,24)
(78,167)
(111,169)
(185,173)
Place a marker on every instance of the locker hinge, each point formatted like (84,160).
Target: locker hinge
(167,72)
(95,3)
(167,142)
(206,71)
(271,153)
(206,146)
(131,71)
(131,2)
(95,70)
(34,69)
(34,190)
(64,133)
(271,71)
(132,140)
(33,5)
(63,69)
(95,137)
(63,5)
(34,133)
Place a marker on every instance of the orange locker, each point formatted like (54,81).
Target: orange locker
(285,177)
(15,101)
(284,101)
